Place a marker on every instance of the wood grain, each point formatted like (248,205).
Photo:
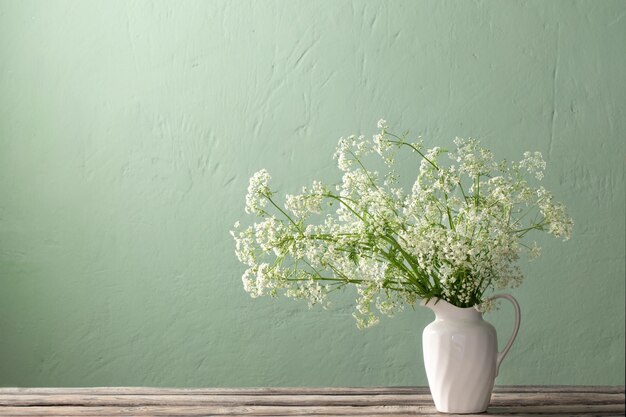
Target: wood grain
(374,401)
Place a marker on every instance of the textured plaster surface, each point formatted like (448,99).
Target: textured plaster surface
(129,129)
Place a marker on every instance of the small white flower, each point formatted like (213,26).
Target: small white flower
(534,251)
(534,163)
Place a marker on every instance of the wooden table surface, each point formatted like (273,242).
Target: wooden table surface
(390,401)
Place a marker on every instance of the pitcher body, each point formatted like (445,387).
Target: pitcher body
(460,355)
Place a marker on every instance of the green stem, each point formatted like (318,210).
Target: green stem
(367,174)
(416,273)
(401,141)
(284,213)
(477,195)
(538,226)
(462,191)
(445,196)
(333,196)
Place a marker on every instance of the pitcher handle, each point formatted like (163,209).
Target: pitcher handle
(502,354)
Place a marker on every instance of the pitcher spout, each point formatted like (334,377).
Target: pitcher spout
(445,310)
(432,303)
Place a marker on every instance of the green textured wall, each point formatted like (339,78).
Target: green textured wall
(128,131)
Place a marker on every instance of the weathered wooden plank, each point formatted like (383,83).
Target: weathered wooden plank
(556,398)
(374,401)
(558,409)
(69,411)
(294,390)
(504,399)
(281,400)
(219,411)
(560,388)
(218,391)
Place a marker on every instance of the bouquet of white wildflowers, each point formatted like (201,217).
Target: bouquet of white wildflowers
(457,234)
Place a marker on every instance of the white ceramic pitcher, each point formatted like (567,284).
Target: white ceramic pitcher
(461,356)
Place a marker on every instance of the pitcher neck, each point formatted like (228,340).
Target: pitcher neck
(445,311)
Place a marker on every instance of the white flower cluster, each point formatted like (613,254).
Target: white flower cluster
(258,191)
(310,201)
(457,235)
